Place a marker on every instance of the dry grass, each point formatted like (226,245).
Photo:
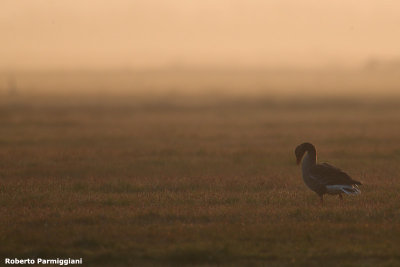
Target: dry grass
(165,183)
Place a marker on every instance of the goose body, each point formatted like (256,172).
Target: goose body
(324,178)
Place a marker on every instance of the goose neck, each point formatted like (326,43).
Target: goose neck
(309,160)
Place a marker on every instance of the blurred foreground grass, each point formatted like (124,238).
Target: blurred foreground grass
(134,182)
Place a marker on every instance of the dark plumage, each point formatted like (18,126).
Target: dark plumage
(324,178)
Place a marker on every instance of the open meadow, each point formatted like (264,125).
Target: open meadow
(164,133)
(129,181)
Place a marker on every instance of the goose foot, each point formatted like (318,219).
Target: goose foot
(321,200)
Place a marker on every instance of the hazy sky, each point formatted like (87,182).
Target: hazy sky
(147,33)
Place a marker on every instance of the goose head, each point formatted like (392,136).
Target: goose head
(302,149)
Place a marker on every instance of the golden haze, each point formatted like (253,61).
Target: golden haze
(152,33)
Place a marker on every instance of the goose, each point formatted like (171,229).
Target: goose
(324,178)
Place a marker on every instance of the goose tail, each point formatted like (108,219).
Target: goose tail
(347,189)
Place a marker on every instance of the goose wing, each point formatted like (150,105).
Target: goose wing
(327,174)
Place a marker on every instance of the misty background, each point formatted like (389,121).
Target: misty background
(235,46)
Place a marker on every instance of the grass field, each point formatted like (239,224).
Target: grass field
(133,182)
